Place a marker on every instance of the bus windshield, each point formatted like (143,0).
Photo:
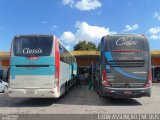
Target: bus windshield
(128,47)
(32,45)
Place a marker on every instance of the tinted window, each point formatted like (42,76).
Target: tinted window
(32,46)
(129,47)
(65,56)
(128,42)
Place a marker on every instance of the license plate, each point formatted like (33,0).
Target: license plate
(30,91)
(127,92)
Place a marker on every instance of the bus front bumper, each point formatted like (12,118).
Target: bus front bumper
(126,92)
(33,93)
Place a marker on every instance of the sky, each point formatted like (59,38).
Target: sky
(76,20)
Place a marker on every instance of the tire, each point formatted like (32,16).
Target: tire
(96,86)
(69,84)
(66,88)
(5,89)
(99,91)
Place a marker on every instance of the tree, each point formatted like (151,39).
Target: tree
(83,45)
(91,46)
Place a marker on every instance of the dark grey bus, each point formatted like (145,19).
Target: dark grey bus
(125,66)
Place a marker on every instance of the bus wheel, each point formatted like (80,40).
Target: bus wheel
(66,87)
(69,84)
(99,92)
(5,89)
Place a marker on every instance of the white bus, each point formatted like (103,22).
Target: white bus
(40,67)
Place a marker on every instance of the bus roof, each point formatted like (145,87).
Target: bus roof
(34,35)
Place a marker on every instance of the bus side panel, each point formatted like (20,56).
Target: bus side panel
(64,75)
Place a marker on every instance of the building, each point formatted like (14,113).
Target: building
(85,59)
(155,62)
(4,64)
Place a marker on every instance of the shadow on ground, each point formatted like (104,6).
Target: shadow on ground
(76,96)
